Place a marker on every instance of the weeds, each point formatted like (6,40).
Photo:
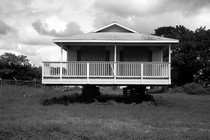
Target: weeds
(68,115)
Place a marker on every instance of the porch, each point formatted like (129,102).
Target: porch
(106,73)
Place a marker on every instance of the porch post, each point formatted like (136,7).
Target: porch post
(169,65)
(169,53)
(115,53)
(61,60)
(115,64)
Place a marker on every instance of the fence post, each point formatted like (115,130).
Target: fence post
(15,85)
(35,82)
(1,86)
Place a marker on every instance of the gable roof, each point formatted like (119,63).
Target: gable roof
(115,33)
(116,25)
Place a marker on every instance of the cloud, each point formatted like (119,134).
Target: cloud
(29,36)
(188,8)
(145,16)
(29,8)
(4,28)
(126,8)
(71,28)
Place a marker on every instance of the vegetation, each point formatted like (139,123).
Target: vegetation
(192,89)
(176,116)
(18,67)
(191,57)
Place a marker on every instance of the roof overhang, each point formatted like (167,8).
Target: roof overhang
(60,41)
(66,43)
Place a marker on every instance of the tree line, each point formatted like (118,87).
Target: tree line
(18,67)
(190,58)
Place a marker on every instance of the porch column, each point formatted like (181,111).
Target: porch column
(115,53)
(169,65)
(61,60)
(169,53)
(115,64)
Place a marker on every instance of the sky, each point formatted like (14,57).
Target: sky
(27,27)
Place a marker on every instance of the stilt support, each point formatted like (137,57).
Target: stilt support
(90,91)
(134,90)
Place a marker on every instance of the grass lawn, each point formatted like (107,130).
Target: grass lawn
(174,116)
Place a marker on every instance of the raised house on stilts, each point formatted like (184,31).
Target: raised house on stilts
(111,55)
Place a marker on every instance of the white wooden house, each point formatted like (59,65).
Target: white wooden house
(111,55)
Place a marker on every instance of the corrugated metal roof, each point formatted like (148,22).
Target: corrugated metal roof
(117,36)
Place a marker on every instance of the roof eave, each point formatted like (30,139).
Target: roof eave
(115,41)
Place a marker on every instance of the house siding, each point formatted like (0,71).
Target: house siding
(93,53)
(72,53)
(135,53)
(130,53)
(157,54)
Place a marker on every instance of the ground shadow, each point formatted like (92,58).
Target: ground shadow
(101,99)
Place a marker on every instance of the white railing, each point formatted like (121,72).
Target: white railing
(156,70)
(74,69)
(101,69)
(107,69)
(129,69)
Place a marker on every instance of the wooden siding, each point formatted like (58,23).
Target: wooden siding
(93,53)
(136,54)
(130,53)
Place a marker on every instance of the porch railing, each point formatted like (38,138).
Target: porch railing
(106,69)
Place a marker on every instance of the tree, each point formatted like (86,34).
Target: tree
(189,57)
(203,47)
(18,67)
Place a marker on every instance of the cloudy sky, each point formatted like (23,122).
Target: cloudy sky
(27,27)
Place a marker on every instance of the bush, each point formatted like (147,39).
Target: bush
(193,89)
(190,88)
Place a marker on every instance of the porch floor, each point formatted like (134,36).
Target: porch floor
(107,81)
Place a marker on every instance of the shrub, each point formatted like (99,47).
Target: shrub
(190,88)
(193,89)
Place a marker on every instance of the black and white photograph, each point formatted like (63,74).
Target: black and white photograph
(104,70)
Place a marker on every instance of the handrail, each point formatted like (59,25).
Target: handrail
(104,62)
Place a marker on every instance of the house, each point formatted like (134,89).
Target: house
(111,55)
